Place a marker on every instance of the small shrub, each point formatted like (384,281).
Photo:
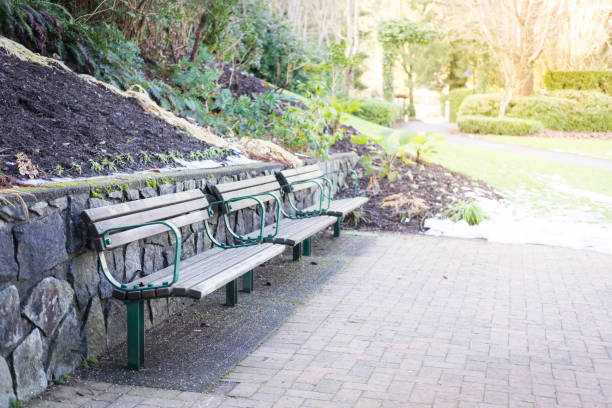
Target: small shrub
(378,111)
(465,210)
(560,110)
(580,80)
(455,98)
(498,126)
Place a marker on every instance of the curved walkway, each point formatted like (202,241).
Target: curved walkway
(416,321)
(449,130)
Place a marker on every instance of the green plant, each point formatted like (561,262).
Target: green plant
(76,167)
(455,98)
(162,157)
(581,80)
(562,110)
(467,210)
(378,111)
(342,106)
(109,164)
(425,145)
(129,158)
(58,170)
(15,403)
(384,162)
(96,167)
(498,126)
(61,379)
(144,157)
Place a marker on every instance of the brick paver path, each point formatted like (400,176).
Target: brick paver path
(419,321)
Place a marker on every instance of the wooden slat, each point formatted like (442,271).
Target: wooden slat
(305,176)
(233,256)
(207,286)
(254,190)
(300,170)
(239,205)
(242,184)
(102,213)
(160,213)
(124,237)
(342,206)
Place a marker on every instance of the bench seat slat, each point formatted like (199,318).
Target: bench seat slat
(210,270)
(233,256)
(343,206)
(202,289)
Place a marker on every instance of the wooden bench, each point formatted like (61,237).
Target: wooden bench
(310,177)
(290,230)
(117,225)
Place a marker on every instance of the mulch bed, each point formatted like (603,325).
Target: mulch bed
(56,118)
(402,205)
(240,83)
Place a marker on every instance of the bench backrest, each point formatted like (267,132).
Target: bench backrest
(180,209)
(287,177)
(249,187)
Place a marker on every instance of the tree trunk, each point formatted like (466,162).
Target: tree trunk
(525,81)
(198,37)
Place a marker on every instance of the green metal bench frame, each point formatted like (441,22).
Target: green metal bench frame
(135,307)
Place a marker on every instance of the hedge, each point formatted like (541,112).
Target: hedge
(579,80)
(455,97)
(498,126)
(378,111)
(561,110)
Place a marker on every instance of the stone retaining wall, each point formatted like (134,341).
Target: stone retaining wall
(55,306)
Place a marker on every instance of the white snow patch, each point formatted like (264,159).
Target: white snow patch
(504,225)
(184,165)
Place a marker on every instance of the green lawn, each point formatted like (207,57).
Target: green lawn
(588,147)
(543,185)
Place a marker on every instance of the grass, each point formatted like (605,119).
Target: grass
(544,186)
(587,147)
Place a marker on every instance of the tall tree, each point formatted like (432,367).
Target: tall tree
(402,41)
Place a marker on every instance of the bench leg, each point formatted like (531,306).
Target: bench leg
(307,250)
(337,227)
(135,333)
(297,252)
(247,282)
(231,293)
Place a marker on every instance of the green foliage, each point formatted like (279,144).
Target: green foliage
(378,111)
(258,41)
(467,210)
(398,145)
(398,32)
(342,106)
(402,38)
(580,80)
(15,403)
(426,145)
(498,126)
(455,98)
(568,111)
